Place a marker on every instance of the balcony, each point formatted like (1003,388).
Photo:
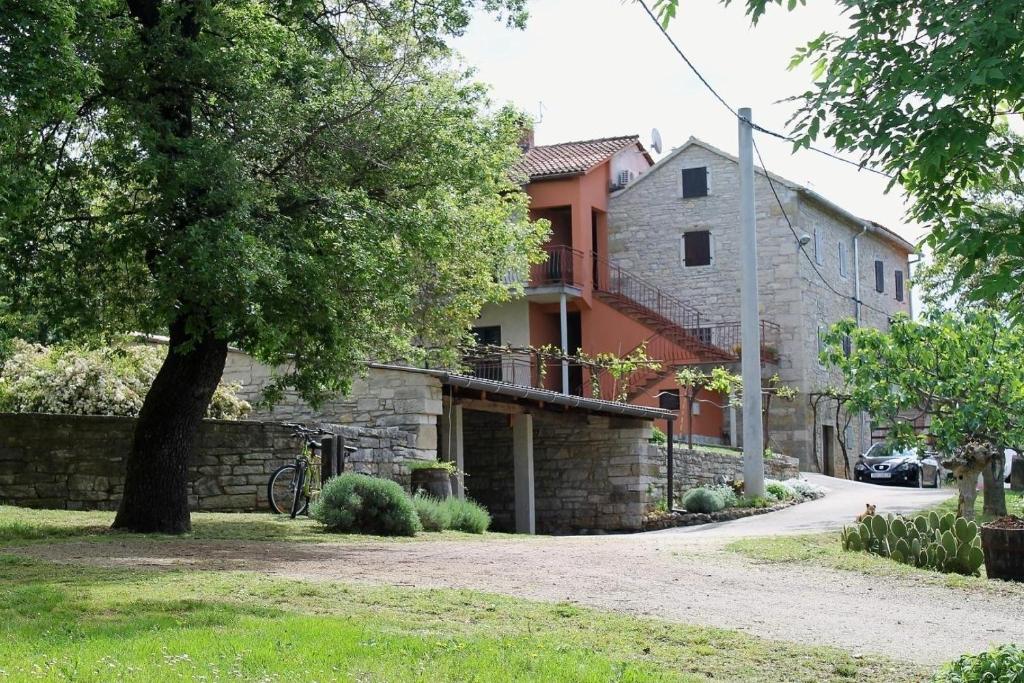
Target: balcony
(565,266)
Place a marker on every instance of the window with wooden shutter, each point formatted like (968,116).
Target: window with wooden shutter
(695,182)
(879,277)
(697,248)
(899,285)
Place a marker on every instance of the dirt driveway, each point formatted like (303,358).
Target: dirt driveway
(680,577)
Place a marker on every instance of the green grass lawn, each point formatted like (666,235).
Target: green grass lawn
(61,622)
(825,550)
(25,525)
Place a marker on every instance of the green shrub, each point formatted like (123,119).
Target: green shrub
(778,491)
(77,380)
(434,514)
(658,437)
(1004,663)
(755,502)
(445,465)
(357,503)
(703,500)
(467,515)
(727,493)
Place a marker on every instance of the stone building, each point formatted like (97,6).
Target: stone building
(678,227)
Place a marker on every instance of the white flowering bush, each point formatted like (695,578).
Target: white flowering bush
(805,490)
(75,380)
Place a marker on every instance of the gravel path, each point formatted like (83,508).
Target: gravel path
(678,574)
(669,577)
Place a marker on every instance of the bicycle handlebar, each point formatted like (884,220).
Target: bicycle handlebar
(304,430)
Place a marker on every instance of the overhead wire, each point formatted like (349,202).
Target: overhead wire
(757,127)
(764,167)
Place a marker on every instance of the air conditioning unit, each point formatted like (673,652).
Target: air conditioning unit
(625,178)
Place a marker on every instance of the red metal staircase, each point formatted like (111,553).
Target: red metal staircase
(679,336)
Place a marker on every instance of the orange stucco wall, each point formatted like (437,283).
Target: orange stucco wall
(545,329)
(584,195)
(603,328)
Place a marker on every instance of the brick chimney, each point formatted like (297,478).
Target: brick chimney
(526,137)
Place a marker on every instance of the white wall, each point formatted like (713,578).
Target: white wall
(514,319)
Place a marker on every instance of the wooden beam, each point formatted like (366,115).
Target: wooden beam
(492,406)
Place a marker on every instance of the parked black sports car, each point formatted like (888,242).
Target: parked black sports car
(909,467)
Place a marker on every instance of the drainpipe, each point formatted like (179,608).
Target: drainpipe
(856,272)
(563,315)
(856,295)
(909,287)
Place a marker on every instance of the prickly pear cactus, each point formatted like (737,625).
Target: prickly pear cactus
(945,543)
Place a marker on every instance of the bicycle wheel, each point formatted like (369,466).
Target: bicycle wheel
(281,489)
(299,502)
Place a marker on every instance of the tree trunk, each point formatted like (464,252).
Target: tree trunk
(689,420)
(967,482)
(994,492)
(156,481)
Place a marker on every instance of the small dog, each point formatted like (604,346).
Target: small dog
(869,511)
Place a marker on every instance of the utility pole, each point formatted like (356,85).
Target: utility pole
(750,319)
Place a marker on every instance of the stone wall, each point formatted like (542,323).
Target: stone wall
(406,400)
(692,468)
(77,461)
(591,473)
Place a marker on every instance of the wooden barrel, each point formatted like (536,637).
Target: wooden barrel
(1004,551)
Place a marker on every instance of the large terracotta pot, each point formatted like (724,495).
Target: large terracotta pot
(435,481)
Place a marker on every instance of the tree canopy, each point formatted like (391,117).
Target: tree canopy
(304,179)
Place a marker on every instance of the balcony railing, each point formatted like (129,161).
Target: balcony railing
(729,336)
(564,266)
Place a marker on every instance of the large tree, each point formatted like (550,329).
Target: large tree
(963,371)
(305,179)
(924,91)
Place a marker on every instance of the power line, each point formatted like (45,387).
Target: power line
(760,129)
(679,51)
(767,174)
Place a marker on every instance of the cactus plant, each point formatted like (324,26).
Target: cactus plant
(879,526)
(945,543)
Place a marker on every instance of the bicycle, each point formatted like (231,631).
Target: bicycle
(293,486)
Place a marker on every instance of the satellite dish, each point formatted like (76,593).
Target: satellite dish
(655,140)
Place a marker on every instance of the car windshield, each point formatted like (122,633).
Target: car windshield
(883,450)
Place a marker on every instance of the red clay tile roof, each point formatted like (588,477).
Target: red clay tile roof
(571,158)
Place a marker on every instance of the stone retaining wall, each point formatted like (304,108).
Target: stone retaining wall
(692,468)
(77,461)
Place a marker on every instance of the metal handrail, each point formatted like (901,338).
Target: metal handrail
(611,278)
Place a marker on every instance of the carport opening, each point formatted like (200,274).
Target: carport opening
(488,464)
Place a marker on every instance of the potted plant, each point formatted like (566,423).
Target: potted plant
(433,476)
(1003,542)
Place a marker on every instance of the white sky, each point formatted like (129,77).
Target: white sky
(602,68)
